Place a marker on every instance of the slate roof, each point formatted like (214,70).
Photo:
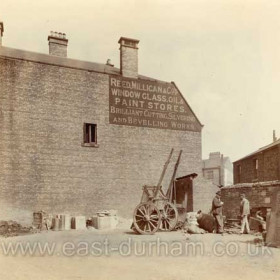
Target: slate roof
(63,61)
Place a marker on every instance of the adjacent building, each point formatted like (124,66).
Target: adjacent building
(79,136)
(260,166)
(257,175)
(218,169)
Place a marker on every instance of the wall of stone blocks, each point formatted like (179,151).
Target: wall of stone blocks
(258,196)
(43,163)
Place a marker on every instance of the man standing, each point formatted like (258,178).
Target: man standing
(244,212)
(217,206)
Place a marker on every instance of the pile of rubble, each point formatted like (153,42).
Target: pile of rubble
(103,220)
(12,228)
(232,227)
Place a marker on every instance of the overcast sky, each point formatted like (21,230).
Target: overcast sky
(223,55)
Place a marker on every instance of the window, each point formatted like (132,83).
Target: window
(256,167)
(90,134)
(238,173)
(209,174)
(256,164)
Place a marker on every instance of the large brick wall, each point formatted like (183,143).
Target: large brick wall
(268,167)
(43,163)
(258,194)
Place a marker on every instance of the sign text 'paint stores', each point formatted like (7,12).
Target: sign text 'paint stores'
(149,104)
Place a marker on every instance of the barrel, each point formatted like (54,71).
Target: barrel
(67,225)
(80,222)
(64,222)
(61,222)
(56,222)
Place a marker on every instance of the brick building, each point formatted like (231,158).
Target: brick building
(218,169)
(79,136)
(260,166)
(258,176)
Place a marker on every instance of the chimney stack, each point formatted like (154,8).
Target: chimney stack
(274,136)
(129,57)
(58,44)
(1,32)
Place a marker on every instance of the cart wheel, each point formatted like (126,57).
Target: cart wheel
(169,217)
(146,218)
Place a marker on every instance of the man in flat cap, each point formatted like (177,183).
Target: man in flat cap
(217,211)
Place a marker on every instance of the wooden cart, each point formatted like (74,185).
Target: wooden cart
(155,211)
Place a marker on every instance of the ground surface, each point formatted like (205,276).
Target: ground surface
(113,255)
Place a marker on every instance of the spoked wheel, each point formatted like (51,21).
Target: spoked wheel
(169,217)
(146,218)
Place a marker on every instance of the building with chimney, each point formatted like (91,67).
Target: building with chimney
(257,175)
(260,166)
(80,136)
(218,169)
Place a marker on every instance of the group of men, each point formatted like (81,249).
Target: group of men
(217,212)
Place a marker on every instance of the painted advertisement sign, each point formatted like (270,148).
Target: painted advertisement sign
(152,104)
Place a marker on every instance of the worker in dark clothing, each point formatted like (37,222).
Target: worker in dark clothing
(217,211)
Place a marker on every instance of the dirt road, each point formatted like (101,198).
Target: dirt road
(120,254)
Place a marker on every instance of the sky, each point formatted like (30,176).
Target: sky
(224,56)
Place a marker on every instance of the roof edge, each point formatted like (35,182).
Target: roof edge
(12,53)
(260,150)
(43,58)
(256,184)
(188,104)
